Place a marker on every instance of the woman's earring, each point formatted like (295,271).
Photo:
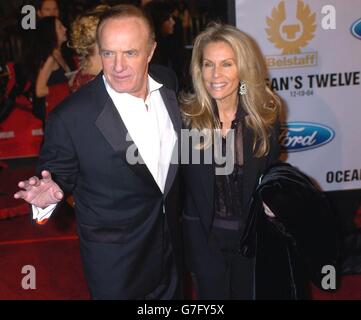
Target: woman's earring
(242,88)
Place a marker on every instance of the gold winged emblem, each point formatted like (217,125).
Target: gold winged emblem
(291,45)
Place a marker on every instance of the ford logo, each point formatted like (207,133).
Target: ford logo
(300,136)
(356,29)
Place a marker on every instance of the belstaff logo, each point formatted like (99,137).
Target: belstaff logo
(284,36)
(290,36)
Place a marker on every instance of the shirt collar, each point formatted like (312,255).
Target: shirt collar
(152,86)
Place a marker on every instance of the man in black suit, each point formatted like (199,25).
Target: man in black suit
(126,209)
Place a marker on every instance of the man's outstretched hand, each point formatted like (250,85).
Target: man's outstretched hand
(40,192)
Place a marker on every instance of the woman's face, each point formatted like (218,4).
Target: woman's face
(219,71)
(60,32)
(168,26)
(49,8)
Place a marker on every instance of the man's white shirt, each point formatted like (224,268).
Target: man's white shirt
(149,126)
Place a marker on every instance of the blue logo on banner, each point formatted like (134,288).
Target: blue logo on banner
(356,29)
(300,136)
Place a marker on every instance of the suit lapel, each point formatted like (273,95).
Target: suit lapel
(112,127)
(171,104)
(248,163)
(252,168)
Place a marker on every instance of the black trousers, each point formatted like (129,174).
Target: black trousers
(170,286)
(225,274)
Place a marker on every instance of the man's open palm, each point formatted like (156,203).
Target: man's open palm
(40,192)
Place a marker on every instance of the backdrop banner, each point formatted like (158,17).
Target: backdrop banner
(313,49)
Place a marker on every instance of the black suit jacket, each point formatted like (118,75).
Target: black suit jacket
(198,211)
(199,179)
(124,234)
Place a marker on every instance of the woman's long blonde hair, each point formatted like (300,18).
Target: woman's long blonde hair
(260,103)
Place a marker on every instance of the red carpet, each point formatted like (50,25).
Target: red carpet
(54,252)
(51,249)
(349,288)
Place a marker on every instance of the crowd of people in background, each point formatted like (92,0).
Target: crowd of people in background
(60,55)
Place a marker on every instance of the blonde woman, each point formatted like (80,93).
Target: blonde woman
(83,41)
(231,99)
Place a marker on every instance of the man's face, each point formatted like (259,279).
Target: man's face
(49,8)
(125,53)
